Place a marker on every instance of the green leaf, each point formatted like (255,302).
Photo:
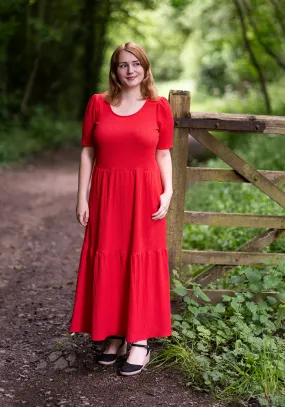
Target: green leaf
(204,330)
(282,296)
(219,308)
(252,307)
(236,279)
(271,300)
(271,282)
(199,293)
(195,311)
(182,291)
(216,375)
(253,275)
(176,324)
(188,333)
(235,305)
(177,283)
(263,319)
(177,317)
(175,334)
(257,287)
(227,298)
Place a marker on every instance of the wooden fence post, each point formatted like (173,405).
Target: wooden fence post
(180,105)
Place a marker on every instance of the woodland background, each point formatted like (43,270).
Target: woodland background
(55,54)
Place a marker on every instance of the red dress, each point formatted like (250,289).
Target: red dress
(123,285)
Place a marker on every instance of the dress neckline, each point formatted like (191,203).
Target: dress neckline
(128,115)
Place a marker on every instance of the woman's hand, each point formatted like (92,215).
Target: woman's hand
(165,199)
(82,211)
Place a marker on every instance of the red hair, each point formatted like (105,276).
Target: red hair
(114,94)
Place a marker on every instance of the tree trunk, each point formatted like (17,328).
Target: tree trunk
(253,58)
(95,19)
(33,73)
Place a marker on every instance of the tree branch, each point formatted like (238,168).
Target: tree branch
(259,37)
(278,11)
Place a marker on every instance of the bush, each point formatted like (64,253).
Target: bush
(235,348)
(20,139)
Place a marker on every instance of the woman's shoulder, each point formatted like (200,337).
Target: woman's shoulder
(159,100)
(97,97)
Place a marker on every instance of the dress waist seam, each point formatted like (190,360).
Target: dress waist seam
(116,252)
(155,170)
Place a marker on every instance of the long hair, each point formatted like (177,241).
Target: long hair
(114,94)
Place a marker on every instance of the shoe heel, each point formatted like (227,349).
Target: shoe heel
(147,359)
(123,350)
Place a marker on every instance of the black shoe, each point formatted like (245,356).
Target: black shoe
(129,369)
(110,358)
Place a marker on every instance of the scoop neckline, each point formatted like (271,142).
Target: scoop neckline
(128,115)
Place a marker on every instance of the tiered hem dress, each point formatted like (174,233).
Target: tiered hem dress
(123,285)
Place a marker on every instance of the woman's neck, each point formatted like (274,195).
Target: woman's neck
(132,93)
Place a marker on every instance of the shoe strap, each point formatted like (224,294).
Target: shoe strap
(141,346)
(117,337)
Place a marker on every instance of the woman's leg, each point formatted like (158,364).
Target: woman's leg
(113,346)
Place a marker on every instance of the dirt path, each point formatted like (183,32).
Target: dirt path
(41,364)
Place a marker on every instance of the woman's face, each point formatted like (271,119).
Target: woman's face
(130,72)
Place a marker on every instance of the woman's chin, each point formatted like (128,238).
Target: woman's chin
(132,84)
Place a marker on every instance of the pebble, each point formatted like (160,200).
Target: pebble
(71,358)
(60,364)
(54,356)
(41,365)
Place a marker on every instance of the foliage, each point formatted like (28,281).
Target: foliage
(56,54)
(234,348)
(223,61)
(43,131)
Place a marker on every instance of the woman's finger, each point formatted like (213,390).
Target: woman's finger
(159,214)
(81,220)
(86,217)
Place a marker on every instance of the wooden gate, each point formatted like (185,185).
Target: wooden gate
(199,126)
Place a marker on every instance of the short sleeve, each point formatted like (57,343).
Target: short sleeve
(88,124)
(165,123)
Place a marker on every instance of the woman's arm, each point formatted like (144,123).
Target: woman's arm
(163,159)
(85,170)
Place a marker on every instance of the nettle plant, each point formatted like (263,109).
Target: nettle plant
(235,348)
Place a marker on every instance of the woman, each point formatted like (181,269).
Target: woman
(123,290)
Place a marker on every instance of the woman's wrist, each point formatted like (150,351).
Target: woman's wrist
(81,197)
(168,192)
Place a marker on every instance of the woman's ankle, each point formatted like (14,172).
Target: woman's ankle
(141,342)
(113,345)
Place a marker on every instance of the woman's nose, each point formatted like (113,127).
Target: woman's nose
(130,68)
